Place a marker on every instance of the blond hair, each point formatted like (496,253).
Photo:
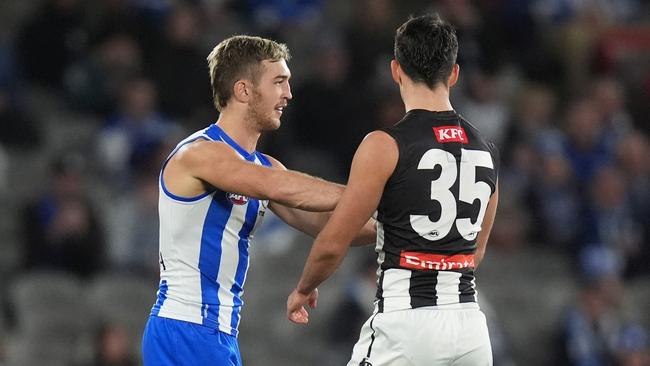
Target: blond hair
(240,57)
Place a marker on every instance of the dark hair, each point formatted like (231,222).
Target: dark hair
(240,57)
(426,48)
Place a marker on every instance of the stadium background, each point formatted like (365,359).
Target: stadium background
(94,93)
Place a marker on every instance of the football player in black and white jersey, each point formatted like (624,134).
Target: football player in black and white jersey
(432,178)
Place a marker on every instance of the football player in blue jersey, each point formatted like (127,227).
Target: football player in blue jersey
(214,190)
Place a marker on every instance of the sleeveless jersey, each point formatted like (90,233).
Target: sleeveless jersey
(204,247)
(431,211)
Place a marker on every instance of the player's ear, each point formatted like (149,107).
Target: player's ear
(453,77)
(395,71)
(241,91)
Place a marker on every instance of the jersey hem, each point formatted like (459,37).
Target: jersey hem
(210,323)
(456,306)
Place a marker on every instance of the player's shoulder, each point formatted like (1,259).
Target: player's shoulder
(468,126)
(378,144)
(203,145)
(473,134)
(275,163)
(378,137)
(379,141)
(201,149)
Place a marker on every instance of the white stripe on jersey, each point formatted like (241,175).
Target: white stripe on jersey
(181,250)
(379,248)
(228,265)
(447,288)
(473,282)
(396,286)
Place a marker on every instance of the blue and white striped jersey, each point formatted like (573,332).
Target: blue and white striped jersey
(204,247)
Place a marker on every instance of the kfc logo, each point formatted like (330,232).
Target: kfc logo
(450,134)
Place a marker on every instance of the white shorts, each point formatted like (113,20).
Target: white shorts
(424,336)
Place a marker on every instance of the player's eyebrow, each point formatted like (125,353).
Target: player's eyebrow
(283,77)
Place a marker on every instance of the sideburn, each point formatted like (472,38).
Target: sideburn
(254,118)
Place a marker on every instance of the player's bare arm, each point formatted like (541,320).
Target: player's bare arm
(204,162)
(486,227)
(311,223)
(368,176)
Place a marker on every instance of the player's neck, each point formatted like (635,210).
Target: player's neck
(419,96)
(240,132)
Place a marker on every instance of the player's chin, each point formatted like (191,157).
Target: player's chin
(273,123)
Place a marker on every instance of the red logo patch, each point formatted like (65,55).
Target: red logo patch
(435,262)
(237,199)
(450,134)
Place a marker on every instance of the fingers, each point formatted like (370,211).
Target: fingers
(295,310)
(296,306)
(299,316)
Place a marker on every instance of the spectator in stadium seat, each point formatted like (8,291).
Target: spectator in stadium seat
(633,152)
(591,326)
(62,230)
(586,146)
(133,228)
(557,203)
(633,346)
(186,94)
(93,83)
(608,220)
(135,131)
(56,31)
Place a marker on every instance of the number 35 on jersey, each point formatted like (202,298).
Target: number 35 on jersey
(469,190)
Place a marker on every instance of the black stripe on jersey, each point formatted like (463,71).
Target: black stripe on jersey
(465,288)
(380,293)
(423,288)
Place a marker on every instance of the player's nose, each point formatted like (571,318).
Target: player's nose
(287,92)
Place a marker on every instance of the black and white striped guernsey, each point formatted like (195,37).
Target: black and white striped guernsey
(431,211)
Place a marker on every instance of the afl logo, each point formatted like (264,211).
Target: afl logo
(237,199)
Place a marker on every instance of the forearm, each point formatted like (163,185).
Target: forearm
(478,256)
(310,223)
(367,235)
(484,234)
(298,190)
(320,265)
(314,223)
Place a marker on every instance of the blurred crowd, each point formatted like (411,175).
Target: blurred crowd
(561,86)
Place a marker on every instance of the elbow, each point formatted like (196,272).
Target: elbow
(330,258)
(367,236)
(331,253)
